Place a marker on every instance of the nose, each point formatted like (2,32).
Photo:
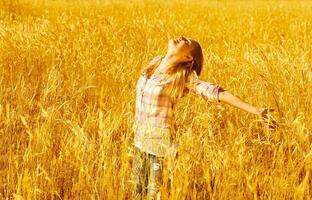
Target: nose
(181,38)
(186,40)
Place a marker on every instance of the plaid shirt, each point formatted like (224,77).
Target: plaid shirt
(154,117)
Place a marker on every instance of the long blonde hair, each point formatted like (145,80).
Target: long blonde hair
(180,72)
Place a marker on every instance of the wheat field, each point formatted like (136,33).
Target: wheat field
(68,71)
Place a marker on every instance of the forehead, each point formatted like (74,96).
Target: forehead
(188,40)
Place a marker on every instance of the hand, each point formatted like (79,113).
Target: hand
(266,117)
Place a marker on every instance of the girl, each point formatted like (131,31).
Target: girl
(165,80)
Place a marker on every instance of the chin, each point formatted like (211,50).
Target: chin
(171,45)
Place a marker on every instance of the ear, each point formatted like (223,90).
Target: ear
(188,58)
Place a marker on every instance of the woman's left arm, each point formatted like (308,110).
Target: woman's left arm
(229,98)
(214,92)
(263,113)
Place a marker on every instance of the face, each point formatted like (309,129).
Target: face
(180,48)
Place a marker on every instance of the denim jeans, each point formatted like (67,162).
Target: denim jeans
(147,170)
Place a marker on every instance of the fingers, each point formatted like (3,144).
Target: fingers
(270,123)
(267,110)
(271,109)
(267,118)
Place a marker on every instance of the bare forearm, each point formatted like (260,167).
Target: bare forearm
(230,99)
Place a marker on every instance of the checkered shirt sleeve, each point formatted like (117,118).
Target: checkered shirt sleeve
(207,90)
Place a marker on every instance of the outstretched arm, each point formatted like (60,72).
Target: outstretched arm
(232,100)
(213,92)
(263,113)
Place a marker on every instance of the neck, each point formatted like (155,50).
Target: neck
(166,64)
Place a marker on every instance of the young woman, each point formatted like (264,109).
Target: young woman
(165,80)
